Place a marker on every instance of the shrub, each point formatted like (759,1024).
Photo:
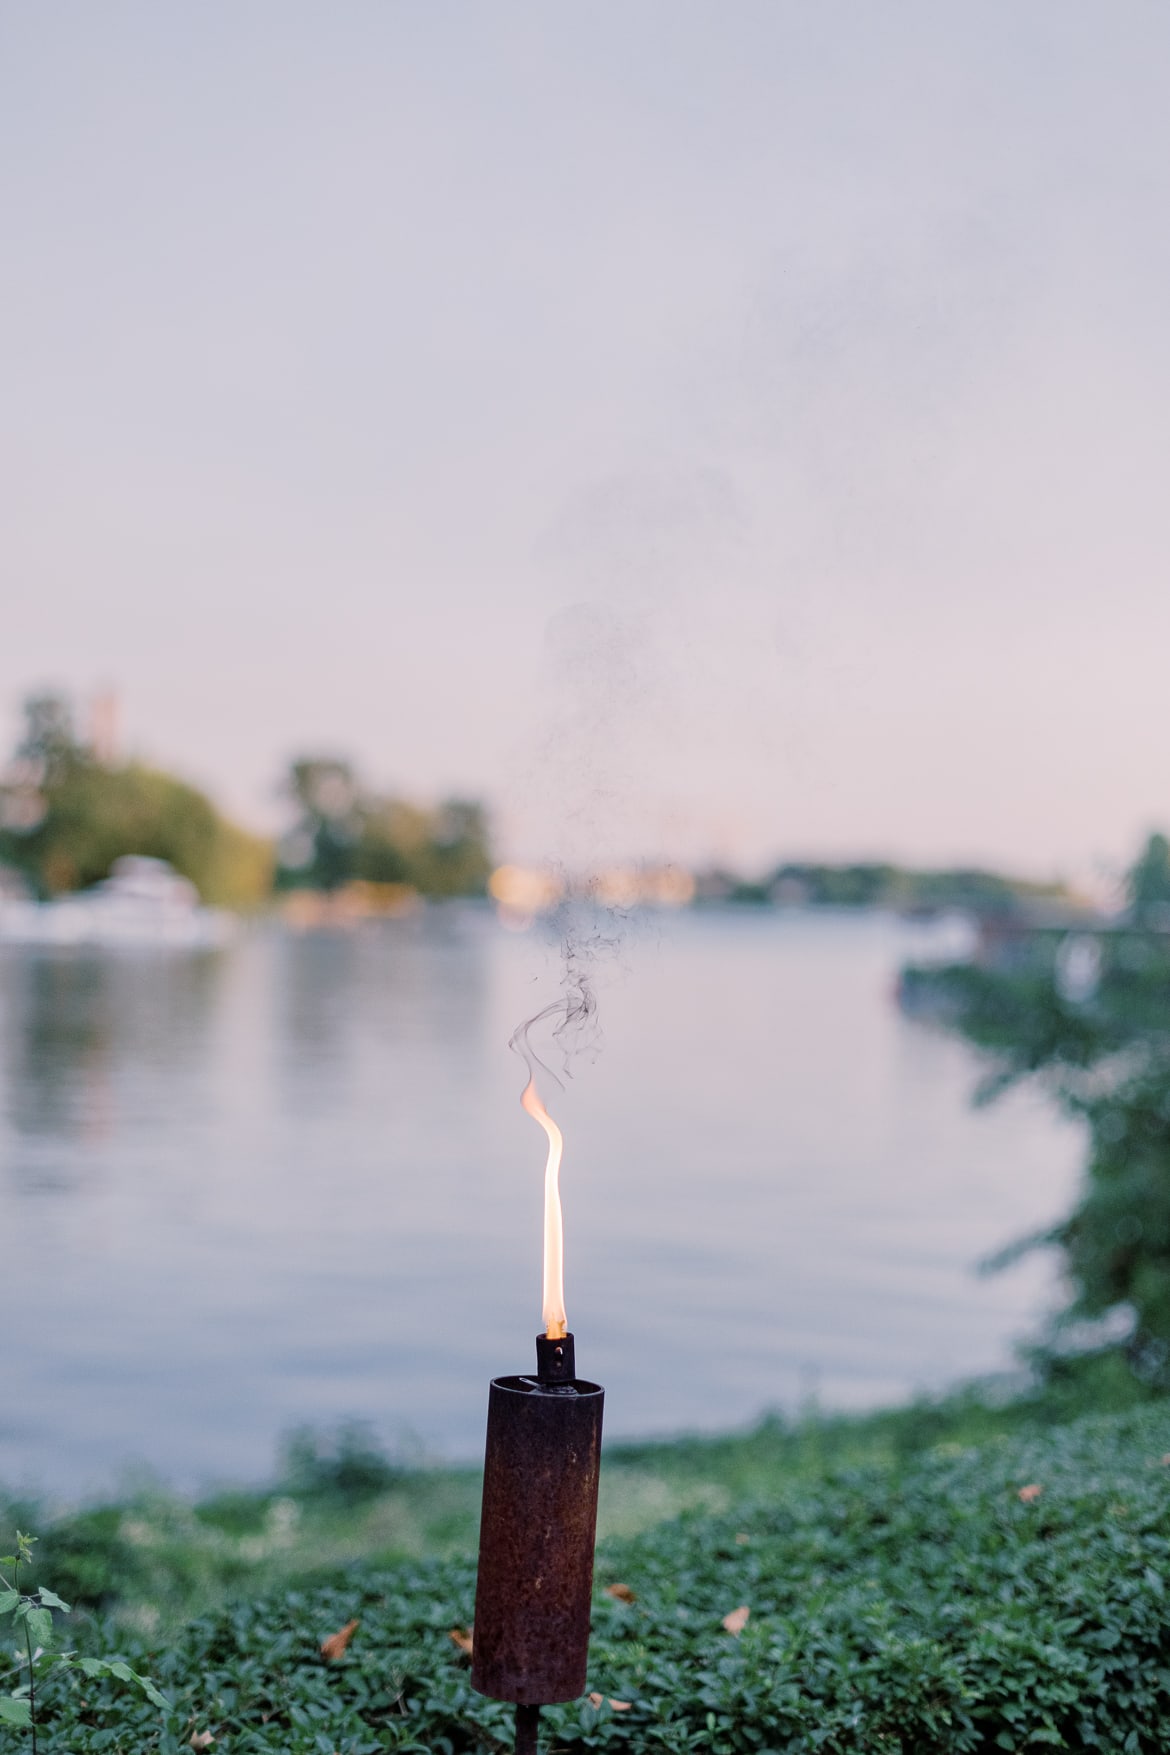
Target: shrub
(1011,1597)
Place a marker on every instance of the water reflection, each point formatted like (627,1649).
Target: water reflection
(341,997)
(291,1181)
(88,1047)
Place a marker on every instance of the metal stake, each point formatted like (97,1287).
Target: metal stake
(526,1723)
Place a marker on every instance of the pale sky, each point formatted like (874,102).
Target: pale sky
(705,430)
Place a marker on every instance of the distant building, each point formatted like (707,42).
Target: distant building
(105,728)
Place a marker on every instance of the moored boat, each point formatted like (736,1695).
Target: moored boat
(143,902)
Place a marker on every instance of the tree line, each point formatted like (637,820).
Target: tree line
(882,884)
(66,814)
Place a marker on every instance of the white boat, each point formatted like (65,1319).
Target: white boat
(142,902)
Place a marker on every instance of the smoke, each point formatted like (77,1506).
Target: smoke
(587,937)
(629,734)
(603,682)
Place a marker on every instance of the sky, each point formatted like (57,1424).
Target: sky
(705,432)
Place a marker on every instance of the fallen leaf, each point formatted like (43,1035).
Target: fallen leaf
(621,1592)
(737,1620)
(1166,1460)
(1027,1494)
(334,1647)
(202,1739)
(741,1541)
(598,1700)
(461,1636)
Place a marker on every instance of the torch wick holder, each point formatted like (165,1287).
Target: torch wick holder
(533,1593)
(556,1366)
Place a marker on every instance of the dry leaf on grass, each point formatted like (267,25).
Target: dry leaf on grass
(202,1739)
(461,1636)
(598,1700)
(741,1541)
(621,1592)
(334,1647)
(737,1620)
(1027,1494)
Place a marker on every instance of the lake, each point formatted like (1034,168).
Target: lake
(290,1182)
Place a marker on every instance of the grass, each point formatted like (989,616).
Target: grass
(1010,1594)
(153,1561)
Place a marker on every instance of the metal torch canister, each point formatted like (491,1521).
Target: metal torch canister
(532,1599)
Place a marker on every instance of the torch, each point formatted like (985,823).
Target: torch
(543,1453)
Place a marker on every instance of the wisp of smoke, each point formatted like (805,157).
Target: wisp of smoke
(587,935)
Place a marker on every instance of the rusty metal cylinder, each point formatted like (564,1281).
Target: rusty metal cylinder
(532,1600)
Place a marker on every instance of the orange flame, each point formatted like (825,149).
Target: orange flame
(555,1326)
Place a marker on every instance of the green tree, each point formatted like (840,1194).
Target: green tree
(1104,1057)
(455,859)
(1147,884)
(49,745)
(320,853)
(392,840)
(67,818)
(343,832)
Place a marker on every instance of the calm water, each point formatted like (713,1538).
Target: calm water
(292,1182)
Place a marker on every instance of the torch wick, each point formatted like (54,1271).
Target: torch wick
(526,1723)
(555,1361)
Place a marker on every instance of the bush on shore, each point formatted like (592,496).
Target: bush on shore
(1008,1597)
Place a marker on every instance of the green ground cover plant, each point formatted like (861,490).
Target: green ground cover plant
(1007,1596)
(153,1560)
(36,1634)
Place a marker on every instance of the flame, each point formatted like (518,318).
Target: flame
(555,1325)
